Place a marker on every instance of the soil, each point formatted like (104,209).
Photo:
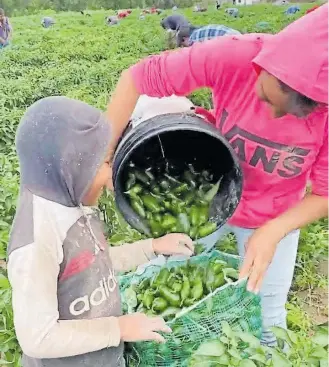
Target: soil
(315,301)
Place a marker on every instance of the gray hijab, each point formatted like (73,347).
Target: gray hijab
(61,143)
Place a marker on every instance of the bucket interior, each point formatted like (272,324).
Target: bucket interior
(183,147)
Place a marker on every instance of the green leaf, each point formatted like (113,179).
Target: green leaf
(258,357)
(281,334)
(227,329)
(4,282)
(234,353)
(213,348)
(319,352)
(248,338)
(320,338)
(279,360)
(247,363)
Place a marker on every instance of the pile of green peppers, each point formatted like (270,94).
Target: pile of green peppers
(171,290)
(172,202)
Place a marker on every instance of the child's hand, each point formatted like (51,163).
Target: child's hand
(139,327)
(174,244)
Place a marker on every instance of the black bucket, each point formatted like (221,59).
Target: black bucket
(184,139)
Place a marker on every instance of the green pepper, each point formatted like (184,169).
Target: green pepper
(164,184)
(155,189)
(210,277)
(138,208)
(198,249)
(220,280)
(144,284)
(197,289)
(135,190)
(167,204)
(190,178)
(185,291)
(210,194)
(203,215)
(161,277)
(188,302)
(207,229)
(177,286)
(189,197)
(169,313)
(195,216)
(159,304)
(149,174)
(142,177)
(156,228)
(193,232)
(172,179)
(168,221)
(148,298)
(183,223)
(151,203)
(131,181)
(168,295)
(207,175)
(177,206)
(157,217)
(181,188)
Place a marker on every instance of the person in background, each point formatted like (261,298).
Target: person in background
(175,8)
(6,30)
(270,101)
(47,22)
(187,36)
(218,4)
(292,9)
(122,14)
(233,12)
(174,22)
(112,20)
(60,266)
(159,11)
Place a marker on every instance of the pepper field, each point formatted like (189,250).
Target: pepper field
(82,58)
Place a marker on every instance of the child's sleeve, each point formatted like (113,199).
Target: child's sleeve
(131,255)
(33,273)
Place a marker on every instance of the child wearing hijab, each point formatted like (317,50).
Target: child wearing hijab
(66,300)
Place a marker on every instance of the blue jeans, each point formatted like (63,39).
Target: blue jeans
(278,278)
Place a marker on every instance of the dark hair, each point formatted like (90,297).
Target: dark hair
(184,32)
(298,101)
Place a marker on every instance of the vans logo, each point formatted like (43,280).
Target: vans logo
(100,295)
(271,157)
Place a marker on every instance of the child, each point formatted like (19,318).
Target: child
(66,299)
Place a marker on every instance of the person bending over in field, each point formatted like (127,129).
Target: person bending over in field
(47,22)
(112,20)
(174,22)
(6,30)
(187,36)
(66,299)
(270,101)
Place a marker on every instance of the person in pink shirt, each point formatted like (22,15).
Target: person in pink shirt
(270,97)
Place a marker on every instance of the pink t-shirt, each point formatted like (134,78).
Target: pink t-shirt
(278,156)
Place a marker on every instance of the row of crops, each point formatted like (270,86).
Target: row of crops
(82,58)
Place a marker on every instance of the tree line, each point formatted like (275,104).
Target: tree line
(21,7)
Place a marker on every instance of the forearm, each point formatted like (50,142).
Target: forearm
(310,209)
(129,256)
(69,337)
(121,106)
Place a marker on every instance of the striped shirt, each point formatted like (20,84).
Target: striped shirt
(211,31)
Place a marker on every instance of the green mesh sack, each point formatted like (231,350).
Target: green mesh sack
(202,321)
